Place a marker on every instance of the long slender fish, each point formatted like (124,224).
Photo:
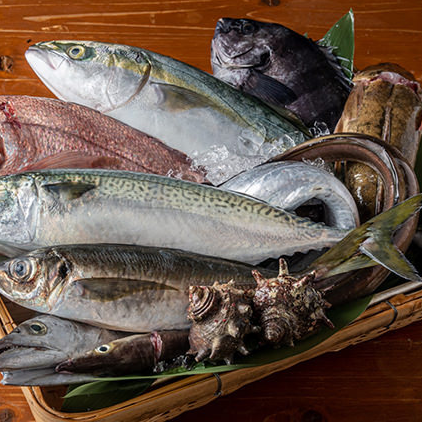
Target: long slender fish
(129,355)
(38,133)
(46,340)
(184,107)
(289,184)
(281,67)
(120,287)
(54,207)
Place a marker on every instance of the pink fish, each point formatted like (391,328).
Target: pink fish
(39,133)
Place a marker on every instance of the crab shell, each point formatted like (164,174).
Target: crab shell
(288,308)
(220,316)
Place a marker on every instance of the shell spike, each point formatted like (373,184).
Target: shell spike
(283,268)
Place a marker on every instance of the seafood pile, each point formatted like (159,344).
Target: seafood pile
(137,251)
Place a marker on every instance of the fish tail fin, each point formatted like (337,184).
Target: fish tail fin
(371,244)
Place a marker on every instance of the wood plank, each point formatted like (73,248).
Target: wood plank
(379,380)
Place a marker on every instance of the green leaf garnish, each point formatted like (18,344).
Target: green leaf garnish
(99,394)
(341,39)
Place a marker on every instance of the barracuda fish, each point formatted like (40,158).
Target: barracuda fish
(38,133)
(184,107)
(281,67)
(46,340)
(129,355)
(128,288)
(56,207)
(290,184)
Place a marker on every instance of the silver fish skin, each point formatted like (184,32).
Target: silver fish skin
(289,184)
(186,108)
(281,67)
(43,377)
(58,207)
(46,340)
(119,287)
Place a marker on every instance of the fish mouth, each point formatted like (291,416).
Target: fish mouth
(14,347)
(52,59)
(223,59)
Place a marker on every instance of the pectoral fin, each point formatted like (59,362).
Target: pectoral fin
(109,289)
(68,190)
(176,98)
(269,89)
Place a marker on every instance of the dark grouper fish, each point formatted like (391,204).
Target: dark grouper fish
(281,67)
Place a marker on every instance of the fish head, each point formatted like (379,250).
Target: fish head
(18,212)
(243,44)
(92,360)
(35,279)
(40,342)
(98,75)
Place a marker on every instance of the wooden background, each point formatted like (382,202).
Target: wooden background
(377,381)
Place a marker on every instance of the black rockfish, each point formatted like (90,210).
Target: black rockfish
(281,67)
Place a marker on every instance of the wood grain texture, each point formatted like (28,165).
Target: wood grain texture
(378,380)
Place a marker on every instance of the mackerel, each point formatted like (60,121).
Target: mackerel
(54,207)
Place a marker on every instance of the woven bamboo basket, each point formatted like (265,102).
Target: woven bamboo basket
(166,400)
(170,400)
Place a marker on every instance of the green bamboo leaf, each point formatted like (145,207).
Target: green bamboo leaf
(100,394)
(341,39)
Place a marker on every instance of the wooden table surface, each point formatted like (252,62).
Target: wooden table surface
(375,381)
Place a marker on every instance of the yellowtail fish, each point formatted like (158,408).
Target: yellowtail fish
(186,108)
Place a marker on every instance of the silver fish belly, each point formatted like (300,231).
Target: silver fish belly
(99,206)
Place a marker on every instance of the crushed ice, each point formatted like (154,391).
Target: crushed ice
(221,164)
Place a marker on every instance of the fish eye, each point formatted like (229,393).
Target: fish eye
(76,52)
(38,328)
(103,348)
(21,269)
(248,28)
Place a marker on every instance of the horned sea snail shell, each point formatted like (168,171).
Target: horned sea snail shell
(288,308)
(220,316)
